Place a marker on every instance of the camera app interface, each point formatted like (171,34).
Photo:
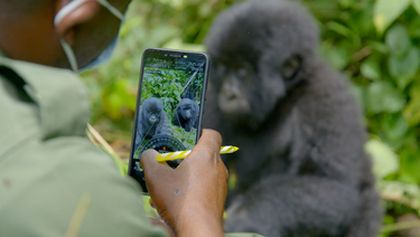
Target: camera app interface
(170,104)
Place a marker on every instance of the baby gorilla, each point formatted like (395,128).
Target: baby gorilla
(186,115)
(152,119)
(302,170)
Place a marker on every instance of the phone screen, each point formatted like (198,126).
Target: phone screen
(170,104)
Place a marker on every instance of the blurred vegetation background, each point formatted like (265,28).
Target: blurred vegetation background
(376,43)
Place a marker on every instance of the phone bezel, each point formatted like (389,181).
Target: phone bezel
(171,53)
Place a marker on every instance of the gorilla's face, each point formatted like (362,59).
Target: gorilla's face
(234,91)
(153,110)
(257,60)
(187,114)
(153,117)
(248,94)
(187,111)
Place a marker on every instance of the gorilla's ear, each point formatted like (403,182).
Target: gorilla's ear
(290,70)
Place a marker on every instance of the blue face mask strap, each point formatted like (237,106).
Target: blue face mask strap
(70,55)
(117,13)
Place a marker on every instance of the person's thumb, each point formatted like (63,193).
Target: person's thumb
(153,170)
(148,159)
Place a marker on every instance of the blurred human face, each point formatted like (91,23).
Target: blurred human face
(69,52)
(31,35)
(94,40)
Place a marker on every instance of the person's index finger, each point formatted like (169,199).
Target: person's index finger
(210,140)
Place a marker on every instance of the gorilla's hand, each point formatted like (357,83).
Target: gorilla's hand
(191,197)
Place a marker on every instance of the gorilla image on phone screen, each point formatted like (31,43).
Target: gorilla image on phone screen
(169,109)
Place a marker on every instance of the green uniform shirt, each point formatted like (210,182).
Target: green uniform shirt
(53,181)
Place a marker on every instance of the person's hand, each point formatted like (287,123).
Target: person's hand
(191,197)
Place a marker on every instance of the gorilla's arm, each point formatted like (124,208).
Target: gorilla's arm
(303,205)
(163,126)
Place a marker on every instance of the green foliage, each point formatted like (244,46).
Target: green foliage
(374,42)
(381,153)
(386,11)
(185,137)
(165,85)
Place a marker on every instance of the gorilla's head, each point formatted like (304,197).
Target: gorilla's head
(152,111)
(258,52)
(187,109)
(187,114)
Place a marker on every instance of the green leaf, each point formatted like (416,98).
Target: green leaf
(403,69)
(370,69)
(386,11)
(337,56)
(394,129)
(177,43)
(398,40)
(339,29)
(346,3)
(383,97)
(380,47)
(410,162)
(385,161)
(416,5)
(412,111)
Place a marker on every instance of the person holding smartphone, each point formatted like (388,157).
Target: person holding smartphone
(53,181)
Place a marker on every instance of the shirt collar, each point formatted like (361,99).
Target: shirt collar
(61,97)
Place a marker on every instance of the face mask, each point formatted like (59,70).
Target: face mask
(101,58)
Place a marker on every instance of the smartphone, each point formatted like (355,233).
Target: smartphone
(169,105)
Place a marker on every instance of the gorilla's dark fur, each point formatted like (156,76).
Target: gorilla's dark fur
(302,170)
(186,114)
(152,119)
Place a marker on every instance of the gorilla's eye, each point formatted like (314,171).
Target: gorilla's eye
(291,67)
(221,69)
(243,71)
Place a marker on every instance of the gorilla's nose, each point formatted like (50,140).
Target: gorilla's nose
(188,115)
(231,95)
(153,119)
(230,92)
